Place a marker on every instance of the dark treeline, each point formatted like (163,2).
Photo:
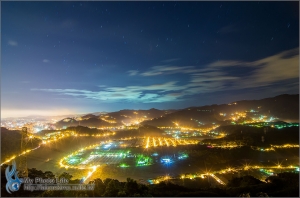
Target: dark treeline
(284,184)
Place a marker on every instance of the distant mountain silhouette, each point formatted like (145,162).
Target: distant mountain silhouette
(88,116)
(89,121)
(112,119)
(285,107)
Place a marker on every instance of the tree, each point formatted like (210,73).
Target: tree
(130,187)
(49,174)
(112,188)
(33,172)
(99,187)
(65,175)
(106,181)
(122,193)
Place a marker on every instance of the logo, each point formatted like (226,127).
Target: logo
(12,185)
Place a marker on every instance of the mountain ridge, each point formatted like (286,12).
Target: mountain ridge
(284,106)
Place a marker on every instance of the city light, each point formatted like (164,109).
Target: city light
(155,141)
(143,160)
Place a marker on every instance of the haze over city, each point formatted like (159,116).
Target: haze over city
(61,58)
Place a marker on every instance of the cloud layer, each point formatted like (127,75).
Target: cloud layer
(221,75)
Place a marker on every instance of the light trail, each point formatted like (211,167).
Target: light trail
(286,146)
(173,142)
(154,142)
(166,141)
(23,153)
(90,173)
(160,142)
(272,148)
(217,179)
(148,141)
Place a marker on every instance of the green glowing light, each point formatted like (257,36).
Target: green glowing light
(72,160)
(143,160)
(124,165)
(183,156)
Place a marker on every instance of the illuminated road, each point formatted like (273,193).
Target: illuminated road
(217,179)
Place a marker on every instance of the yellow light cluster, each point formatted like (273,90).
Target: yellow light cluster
(225,146)
(159,141)
(199,129)
(190,176)
(56,138)
(129,138)
(238,115)
(286,146)
(95,135)
(109,121)
(248,167)
(160,179)
(262,149)
(257,148)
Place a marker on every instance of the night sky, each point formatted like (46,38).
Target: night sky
(79,57)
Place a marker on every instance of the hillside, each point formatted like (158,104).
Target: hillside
(113,119)
(11,143)
(89,121)
(252,136)
(283,107)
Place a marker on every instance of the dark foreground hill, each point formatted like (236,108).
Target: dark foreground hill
(11,143)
